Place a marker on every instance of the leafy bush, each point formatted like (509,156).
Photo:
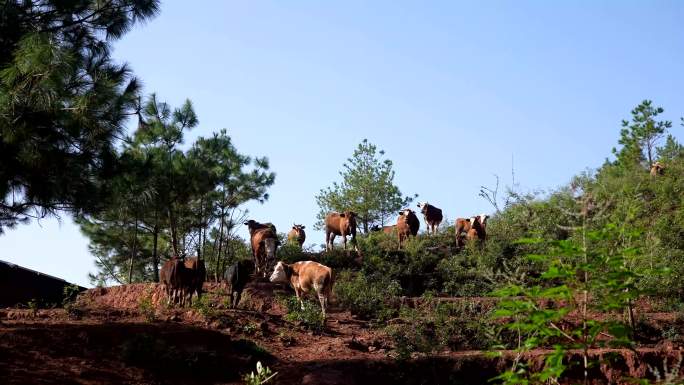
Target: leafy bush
(204,306)
(310,317)
(367,297)
(146,308)
(433,326)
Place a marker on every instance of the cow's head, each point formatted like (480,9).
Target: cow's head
(280,272)
(298,228)
(406,212)
(483,219)
(348,214)
(423,206)
(250,223)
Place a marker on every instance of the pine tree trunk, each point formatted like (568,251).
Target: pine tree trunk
(174,235)
(155,256)
(133,252)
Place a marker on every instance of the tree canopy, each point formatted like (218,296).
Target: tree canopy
(166,200)
(367,188)
(63,102)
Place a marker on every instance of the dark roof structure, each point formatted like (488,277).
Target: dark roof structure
(19,286)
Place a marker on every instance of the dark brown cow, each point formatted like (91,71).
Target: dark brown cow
(384,229)
(237,275)
(197,273)
(433,216)
(253,226)
(264,241)
(297,235)
(340,224)
(174,279)
(305,275)
(657,168)
(407,225)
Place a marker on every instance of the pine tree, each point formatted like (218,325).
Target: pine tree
(639,138)
(165,200)
(63,102)
(367,188)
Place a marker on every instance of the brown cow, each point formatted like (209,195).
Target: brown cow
(340,224)
(407,225)
(174,279)
(297,235)
(463,226)
(433,216)
(303,276)
(264,242)
(657,168)
(196,272)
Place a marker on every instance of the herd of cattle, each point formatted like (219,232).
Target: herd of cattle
(184,277)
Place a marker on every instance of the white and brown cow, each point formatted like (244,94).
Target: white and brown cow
(304,276)
(433,216)
(478,228)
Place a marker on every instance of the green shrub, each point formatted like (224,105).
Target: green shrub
(146,308)
(204,306)
(70,292)
(310,317)
(434,326)
(367,297)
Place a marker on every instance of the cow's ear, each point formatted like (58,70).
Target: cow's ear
(303,227)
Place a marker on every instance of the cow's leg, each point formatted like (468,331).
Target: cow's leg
(344,240)
(332,241)
(299,295)
(238,295)
(324,302)
(255,255)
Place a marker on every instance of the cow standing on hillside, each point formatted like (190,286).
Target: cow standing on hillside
(462,226)
(340,224)
(297,235)
(478,229)
(657,168)
(303,276)
(197,273)
(174,279)
(433,216)
(407,225)
(237,276)
(264,242)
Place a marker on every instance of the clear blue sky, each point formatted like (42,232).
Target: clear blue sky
(449,90)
